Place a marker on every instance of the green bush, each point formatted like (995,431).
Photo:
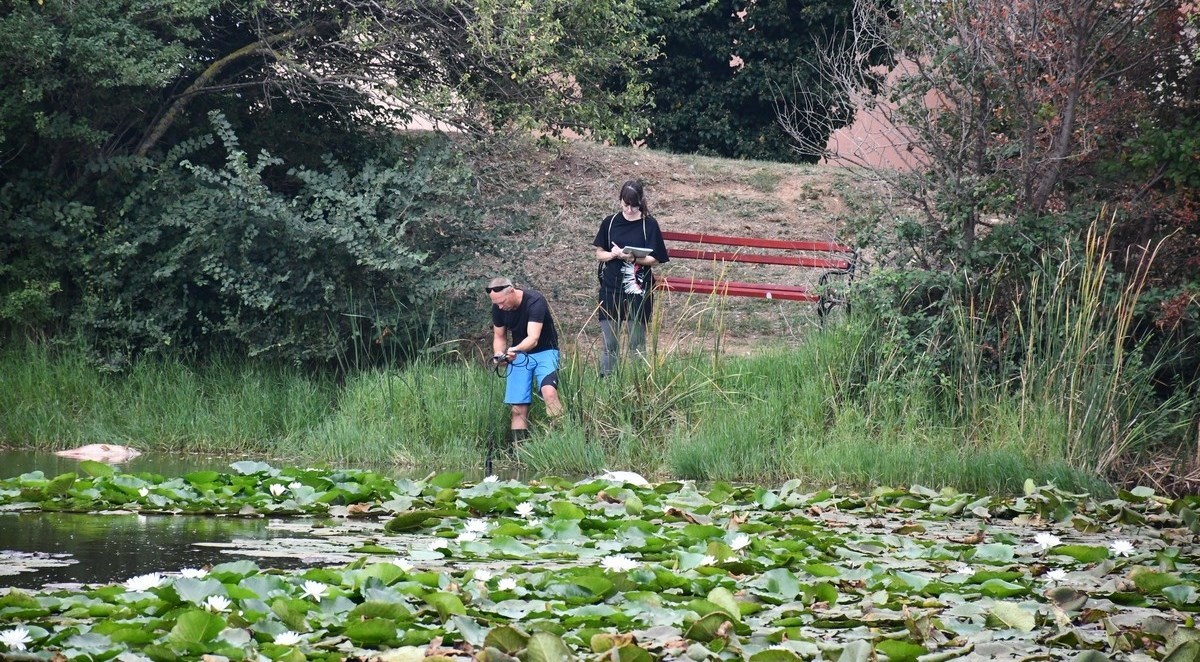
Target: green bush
(250,256)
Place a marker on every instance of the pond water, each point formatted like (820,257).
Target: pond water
(15,463)
(39,548)
(57,548)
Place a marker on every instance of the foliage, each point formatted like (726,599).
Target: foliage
(725,67)
(105,143)
(1058,350)
(264,272)
(1005,111)
(554,570)
(473,64)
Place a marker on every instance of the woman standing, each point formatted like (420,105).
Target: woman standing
(628,244)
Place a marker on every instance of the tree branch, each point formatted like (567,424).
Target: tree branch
(264,46)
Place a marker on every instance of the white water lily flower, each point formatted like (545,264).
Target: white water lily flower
(437,543)
(707,559)
(145,491)
(143,582)
(483,574)
(525,509)
(277,489)
(740,541)
(467,536)
(287,638)
(314,590)
(507,584)
(476,525)
(491,479)
(1056,575)
(1121,547)
(295,485)
(217,603)
(619,563)
(964,569)
(193,573)
(1047,540)
(15,639)
(403,564)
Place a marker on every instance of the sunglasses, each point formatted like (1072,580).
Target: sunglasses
(498,288)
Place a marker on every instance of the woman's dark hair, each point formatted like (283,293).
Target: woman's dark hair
(633,195)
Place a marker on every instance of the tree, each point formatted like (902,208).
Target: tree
(118,75)
(995,109)
(132,130)
(723,66)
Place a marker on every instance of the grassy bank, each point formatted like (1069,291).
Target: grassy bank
(990,391)
(803,413)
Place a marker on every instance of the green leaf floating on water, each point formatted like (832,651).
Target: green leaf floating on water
(447,604)
(1187,652)
(1012,616)
(723,599)
(373,632)
(624,572)
(900,651)
(447,480)
(1152,581)
(546,647)
(413,520)
(708,627)
(998,588)
(1083,553)
(775,655)
(196,627)
(61,484)
(507,639)
(94,468)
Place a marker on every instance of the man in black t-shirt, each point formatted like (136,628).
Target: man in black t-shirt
(532,357)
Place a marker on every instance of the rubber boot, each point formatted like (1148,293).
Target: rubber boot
(515,437)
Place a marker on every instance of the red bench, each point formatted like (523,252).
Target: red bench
(838,260)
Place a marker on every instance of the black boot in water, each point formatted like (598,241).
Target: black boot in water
(515,438)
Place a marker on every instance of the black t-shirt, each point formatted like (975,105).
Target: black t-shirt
(533,308)
(644,232)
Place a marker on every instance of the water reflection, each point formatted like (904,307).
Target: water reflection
(98,548)
(112,548)
(15,463)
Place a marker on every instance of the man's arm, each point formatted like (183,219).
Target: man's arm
(533,332)
(499,340)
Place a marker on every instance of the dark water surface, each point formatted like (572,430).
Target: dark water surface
(113,548)
(38,548)
(15,463)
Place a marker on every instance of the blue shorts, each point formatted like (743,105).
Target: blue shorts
(524,370)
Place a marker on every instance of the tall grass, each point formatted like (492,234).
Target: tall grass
(1058,364)
(58,398)
(429,414)
(1040,385)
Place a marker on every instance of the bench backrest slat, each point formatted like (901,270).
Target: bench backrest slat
(754,242)
(754,258)
(733,288)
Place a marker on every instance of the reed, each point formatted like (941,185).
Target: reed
(1058,400)
(56,397)
(1057,364)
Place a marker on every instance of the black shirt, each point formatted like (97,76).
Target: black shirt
(643,232)
(533,308)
